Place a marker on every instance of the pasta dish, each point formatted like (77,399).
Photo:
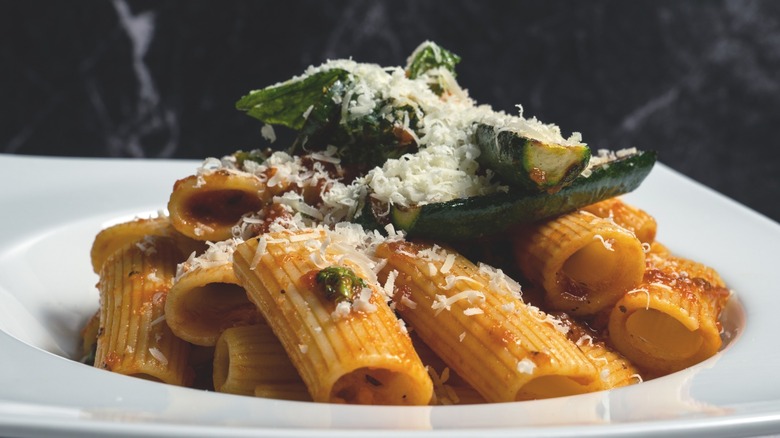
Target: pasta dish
(410,247)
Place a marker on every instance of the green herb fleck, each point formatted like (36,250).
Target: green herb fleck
(257,155)
(340,284)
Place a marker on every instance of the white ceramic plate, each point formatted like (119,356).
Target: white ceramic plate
(51,208)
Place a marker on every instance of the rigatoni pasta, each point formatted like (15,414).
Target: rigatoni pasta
(583,262)
(345,352)
(627,216)
(207,206)
(133,338)
(284,273)
(472,318)
(249,357)
(206,297)
(112,238)
(448,387)
(670,321)
(353,347)
(614,370)
(478,325)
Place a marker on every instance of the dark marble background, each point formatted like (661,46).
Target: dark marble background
(697,81)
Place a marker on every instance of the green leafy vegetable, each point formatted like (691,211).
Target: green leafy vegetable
(368,125)
(366,141)
(429,56)
(285,104)
(428,60)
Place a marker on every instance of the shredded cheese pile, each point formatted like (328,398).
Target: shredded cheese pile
(443,168)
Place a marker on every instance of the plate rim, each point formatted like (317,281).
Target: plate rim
(737,422)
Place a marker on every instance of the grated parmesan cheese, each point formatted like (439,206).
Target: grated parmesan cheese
(157,354)
(402,326)
(406,301)
(152,277)
(327,156)
(606,242)
(603,156)
(442,302)
(308,111)
(585,340)
(447,265)
(450,280)
(363,302)
(444,167)
(267,131)
(499,282)
(543,317)
(473,311)
(646,292)
(217,254)
(146,245)
(526,366)
(158,320)
(342,310)
(508,307)
(389,287)
(443,394)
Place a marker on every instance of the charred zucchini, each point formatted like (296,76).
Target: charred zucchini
(529,164)
(485,215)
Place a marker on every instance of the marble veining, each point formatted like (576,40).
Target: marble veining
(148,115)
(696,80)
(635,119)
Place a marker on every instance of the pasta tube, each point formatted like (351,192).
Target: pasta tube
(584,263)
(251,356)
(658,249)
(448,387)
(133,338)
(471,318)
(205,301)
(208,205)
(283,391)
(117,236)
(89,334)
(348,353)
(627,216)
(614,369)
(670,321)
(201,360)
